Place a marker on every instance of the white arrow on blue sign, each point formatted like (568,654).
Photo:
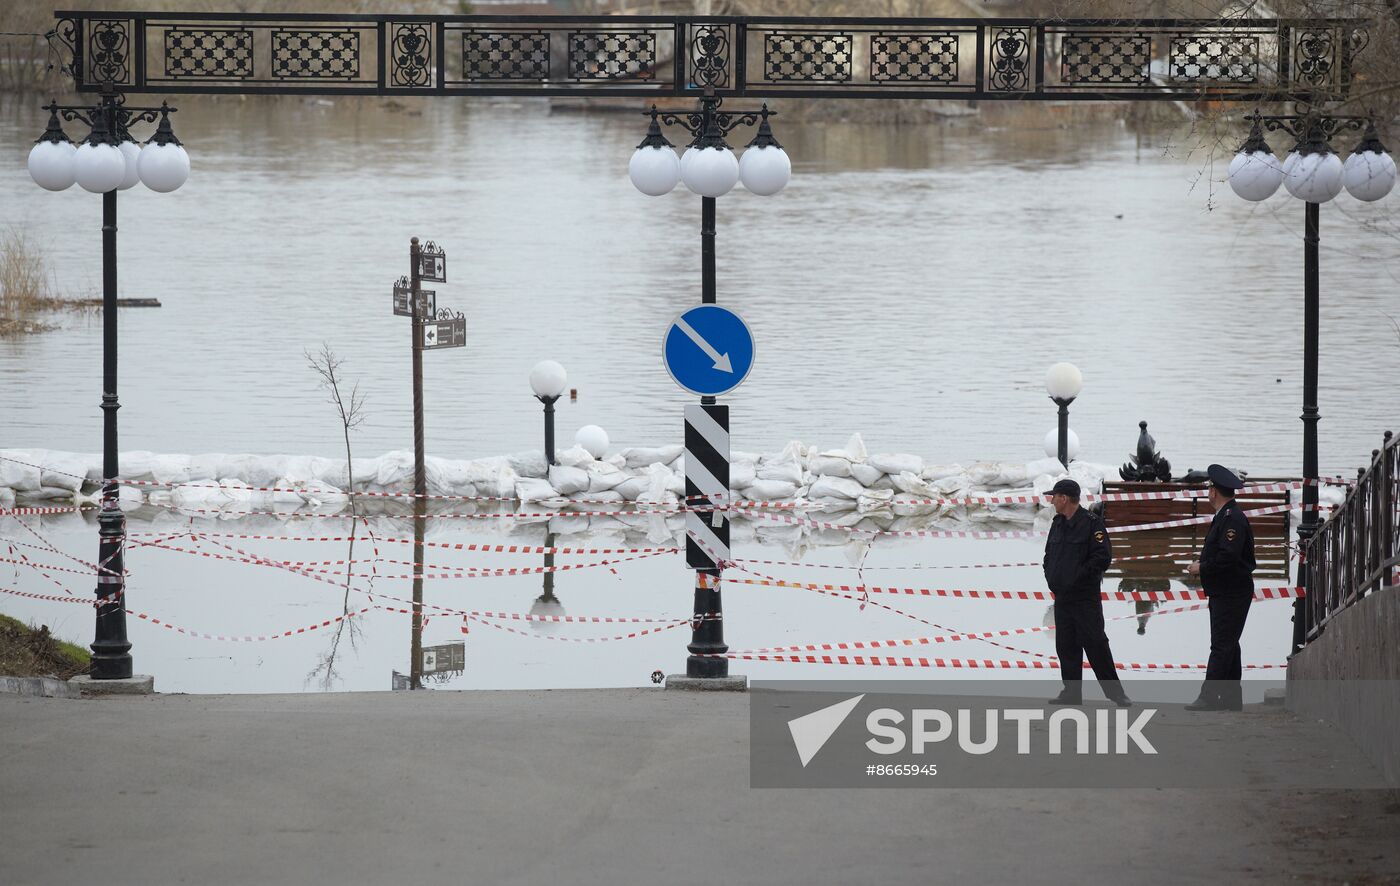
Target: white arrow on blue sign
(708,350)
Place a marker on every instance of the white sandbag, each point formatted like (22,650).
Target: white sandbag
(955,486)
(7,497)
(603,476)
(835,488)
(16,472)
(298,468)
(287,492)
(938,472)
(446,477)
(641,457)
(983,474)
(905,504)
(1089,476)
(784,467)
(658,479)
(675,483)
(136,464)
(205,467)
(1012,475)
(742,475)
(235,489)
(896,463)
(1043,483)
(573,457)
(392,470)
(63,470)
(568,480)
(874,500)
(129,498)
(529,464)
(529,489)
(770,490)
(320,494)
(824,465)
(911,483)
(199,493)
(603,496)
(632,488)
(865,474)
(1043,466)
(854,450)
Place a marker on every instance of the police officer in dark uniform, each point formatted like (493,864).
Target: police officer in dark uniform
(1076,555)
(1226,569)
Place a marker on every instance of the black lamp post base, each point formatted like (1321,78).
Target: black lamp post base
(112,663)
(706,666)
(687,683)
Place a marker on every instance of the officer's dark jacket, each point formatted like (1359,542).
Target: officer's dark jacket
(1227,557)
(1076,555)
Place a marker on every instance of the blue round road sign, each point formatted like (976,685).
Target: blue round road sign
(708,350)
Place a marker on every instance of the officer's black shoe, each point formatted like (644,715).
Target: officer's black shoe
(1206,704)
(1121,699)
(1068,696)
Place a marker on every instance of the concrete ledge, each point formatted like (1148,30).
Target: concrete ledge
(732,683)
(139,684)
(1350,676)
(42,687)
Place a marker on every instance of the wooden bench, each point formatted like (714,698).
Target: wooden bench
(1174,548)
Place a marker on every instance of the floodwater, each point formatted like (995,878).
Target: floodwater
(912,283)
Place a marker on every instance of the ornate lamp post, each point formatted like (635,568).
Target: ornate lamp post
(1063,383)
(709,169)
(107,161)
(547,380)
(1313,173)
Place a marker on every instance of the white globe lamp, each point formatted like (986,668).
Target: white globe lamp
(1052,444)
(1063,382)
(1255,173)
(765,167)
(1369,173)
(98,166)
(164,165)
(710,170)
(51,159)
(547,379)
(654,168)
(593,439)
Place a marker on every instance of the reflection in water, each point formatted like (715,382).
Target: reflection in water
(546,603)
(324,673)
(923,263)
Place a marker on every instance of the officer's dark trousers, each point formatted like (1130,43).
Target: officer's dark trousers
(1223,670)
(1079,633)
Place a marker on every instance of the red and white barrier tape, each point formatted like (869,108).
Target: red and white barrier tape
(972,663)
(1015,533)
(633,635)
(457,573)
(1270,593)
(441,545)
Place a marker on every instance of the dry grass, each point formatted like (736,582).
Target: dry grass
(25,287)
(26,651)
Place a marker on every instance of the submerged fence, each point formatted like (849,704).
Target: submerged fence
(1357,551)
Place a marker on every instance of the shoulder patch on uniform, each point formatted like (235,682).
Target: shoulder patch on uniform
(1230,535)
(1099,536)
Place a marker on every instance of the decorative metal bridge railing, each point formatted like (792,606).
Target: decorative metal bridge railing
(1018,59)
(1357,551)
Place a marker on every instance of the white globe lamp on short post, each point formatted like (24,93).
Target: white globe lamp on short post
(547,380)
(1063,383)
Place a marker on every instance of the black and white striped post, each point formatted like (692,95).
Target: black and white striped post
(707,532)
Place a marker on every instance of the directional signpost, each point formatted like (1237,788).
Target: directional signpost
(709,351)
(432,329)
(427,300)
(444,332)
